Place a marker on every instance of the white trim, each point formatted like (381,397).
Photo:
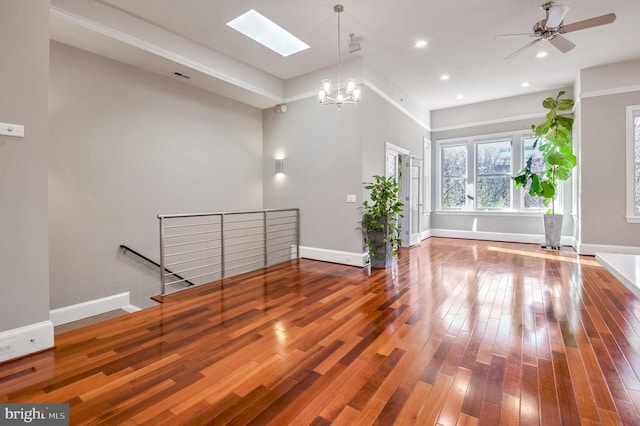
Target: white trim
(131,308)
(334,256)
(26,340)
(398,106)
(487,122)
(154,49)
(390,146)
(630,164)
(88,309)
(425,234)
(612,91)
(592,249)
(496,213)
(624,267)
(499,236)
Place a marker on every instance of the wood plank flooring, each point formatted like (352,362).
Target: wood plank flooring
(460,333)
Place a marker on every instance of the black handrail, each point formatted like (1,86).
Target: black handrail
(145,259)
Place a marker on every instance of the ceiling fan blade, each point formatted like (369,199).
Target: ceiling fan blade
(522,49)
(561,43)
(556,15)
(588,23)
(515,35)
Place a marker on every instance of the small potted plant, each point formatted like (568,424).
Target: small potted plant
(553,140)
(380,221)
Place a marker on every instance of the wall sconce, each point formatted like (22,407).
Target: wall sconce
(279,166)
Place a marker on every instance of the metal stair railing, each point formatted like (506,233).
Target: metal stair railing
(204,247)
(128,251)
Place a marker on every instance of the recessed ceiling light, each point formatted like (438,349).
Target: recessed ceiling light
(459,97)
(444,77)
(268,33)
(525,84)
(420,43)
(542,54)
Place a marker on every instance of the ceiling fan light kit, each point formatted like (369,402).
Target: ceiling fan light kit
(552,27)
(352,93)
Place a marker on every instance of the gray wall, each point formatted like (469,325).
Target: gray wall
(322,150)
(126,145)
(603,158)
(329,153)
(24,73)
(512,114)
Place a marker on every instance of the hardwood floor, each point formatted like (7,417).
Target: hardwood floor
(461,332)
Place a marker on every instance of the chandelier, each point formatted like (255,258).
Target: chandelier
(351,94)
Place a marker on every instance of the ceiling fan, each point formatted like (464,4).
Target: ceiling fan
(552,27)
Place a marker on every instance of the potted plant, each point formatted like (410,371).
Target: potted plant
(380,221)
(553,140)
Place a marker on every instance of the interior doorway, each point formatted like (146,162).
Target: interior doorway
(408,171)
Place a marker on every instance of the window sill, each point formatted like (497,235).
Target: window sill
(632,219)
(513,213)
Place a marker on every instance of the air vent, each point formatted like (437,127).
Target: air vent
(179,74)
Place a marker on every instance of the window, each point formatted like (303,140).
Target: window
(537,165)
(454,176)
(633,164)
(474,173)
(493,175)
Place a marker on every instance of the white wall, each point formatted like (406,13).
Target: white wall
(329,153)
(606,92)
(24,76)
(322,150)
(127,145)
(512,114)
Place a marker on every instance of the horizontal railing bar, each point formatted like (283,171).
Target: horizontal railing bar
(280,223)
(243,235)
(191,260)
(242,244)
(284,230)
(192,233)
(279,244)
(194,277)
(170,216)
(190,224)
(191,251)
(281,230)
(191,242)
(281,236)
(282,249)
(226,228)
(245,257)
(247,250)
(195,268)
(246,264)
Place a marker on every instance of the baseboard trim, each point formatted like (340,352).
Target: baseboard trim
(88,309)
(592,249)
(425,234)
(26,340)
(333,256)
(498,236)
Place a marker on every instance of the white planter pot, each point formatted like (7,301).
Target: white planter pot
(552,230)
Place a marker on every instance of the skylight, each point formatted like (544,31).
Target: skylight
(268,33)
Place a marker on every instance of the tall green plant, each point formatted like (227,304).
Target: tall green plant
(384,210)
(553,139)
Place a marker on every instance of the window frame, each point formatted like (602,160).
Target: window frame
(632,111)
(439,177)
(517,139)
(477,174)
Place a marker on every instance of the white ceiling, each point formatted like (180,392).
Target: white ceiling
(461,37)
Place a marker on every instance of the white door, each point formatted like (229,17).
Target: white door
(415,200)
(396,165)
